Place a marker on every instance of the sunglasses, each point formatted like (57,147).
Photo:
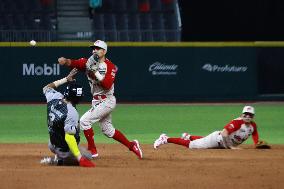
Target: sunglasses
(249,114)
(97,48)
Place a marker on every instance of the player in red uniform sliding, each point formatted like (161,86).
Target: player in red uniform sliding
(233,134)
(101,73)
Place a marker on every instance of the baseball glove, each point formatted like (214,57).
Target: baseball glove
(262,145)
(92,63)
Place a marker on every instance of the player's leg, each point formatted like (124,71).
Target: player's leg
(210,141)
(98,111)
(188,136)
(86,122)
(164,139)
(108,129)
(179,141)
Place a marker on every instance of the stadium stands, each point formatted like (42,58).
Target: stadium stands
(23,19)
(116,20)
(131,21)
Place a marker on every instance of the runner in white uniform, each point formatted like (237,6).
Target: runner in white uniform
(101,73)
(233,134)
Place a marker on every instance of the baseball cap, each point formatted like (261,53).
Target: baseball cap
(249,109)
(100,44)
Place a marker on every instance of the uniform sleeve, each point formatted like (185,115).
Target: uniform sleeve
(80,64)
(71,122)
(255,133)
(233,126)
(111,70)
(51,94)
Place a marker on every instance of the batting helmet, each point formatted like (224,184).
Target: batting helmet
(73,93)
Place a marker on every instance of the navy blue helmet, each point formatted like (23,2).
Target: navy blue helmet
(73,93)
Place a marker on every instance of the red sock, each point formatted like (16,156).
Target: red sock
(118,136)
(89,134)
(195,137)
(179,141)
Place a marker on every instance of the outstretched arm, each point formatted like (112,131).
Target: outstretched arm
(80,64)
(64,61)
(68,78)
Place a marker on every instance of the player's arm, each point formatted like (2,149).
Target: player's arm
(80,64)
(68,78)
(255,135)
(106,75)
(228,129)
(225,135)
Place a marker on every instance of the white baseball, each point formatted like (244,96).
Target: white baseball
(32,42)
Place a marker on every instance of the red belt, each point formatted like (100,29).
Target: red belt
(99,97)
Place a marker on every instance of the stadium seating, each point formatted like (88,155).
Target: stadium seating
(116,20)
(18,17)
(131,22)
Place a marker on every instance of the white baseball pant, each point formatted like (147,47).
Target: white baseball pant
(100,112)
(213,140)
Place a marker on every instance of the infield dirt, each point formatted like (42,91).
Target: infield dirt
(170,166)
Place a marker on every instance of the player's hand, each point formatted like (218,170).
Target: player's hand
(70,76)
(85,162)
(62,61)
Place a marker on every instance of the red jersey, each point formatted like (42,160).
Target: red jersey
(107,69)
(239,131)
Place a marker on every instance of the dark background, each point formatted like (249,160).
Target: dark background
(263,79)
(232,20)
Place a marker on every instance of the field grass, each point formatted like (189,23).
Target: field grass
(27,123)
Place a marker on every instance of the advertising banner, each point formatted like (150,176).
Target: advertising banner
(145,74)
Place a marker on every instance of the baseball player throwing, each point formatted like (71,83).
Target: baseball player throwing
(233,134)
(62,119)
(101,73)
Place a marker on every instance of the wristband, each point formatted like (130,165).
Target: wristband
(60,82)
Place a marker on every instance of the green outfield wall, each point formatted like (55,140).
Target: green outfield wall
(153,72)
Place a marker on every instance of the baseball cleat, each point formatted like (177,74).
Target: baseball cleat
(163,139)
(185,136)
(137,149)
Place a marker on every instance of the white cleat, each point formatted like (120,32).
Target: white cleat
(163,139)
(185,136)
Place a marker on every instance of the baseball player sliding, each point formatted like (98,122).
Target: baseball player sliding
(233,134)
(101,73)
(62,119)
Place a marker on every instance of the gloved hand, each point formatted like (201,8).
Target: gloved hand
(92,63)
(262,145)
(85,162)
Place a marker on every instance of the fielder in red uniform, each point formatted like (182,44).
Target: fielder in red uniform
(233,134)
(101,73)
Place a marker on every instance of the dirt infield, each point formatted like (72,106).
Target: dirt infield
(170,166)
